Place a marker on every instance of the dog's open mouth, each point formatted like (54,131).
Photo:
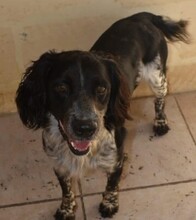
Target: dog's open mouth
(78,147)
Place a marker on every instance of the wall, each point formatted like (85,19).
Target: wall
(29,28)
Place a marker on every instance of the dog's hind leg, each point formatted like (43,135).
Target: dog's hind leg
(159,87)
(160,122)
(68,205)
(156,78)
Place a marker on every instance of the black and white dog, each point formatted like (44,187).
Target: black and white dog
(81,100)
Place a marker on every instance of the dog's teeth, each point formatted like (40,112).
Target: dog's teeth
(73,145)
(80,145)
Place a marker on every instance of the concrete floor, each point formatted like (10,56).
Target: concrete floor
(158,183)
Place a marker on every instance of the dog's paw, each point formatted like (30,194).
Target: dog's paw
(109,205)
(160,127)
(64,215)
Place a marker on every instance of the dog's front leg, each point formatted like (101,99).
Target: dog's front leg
(68,205)
(109,205)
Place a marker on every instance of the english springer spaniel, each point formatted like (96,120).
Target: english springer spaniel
(81,100)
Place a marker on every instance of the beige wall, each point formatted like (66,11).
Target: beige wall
(30,27)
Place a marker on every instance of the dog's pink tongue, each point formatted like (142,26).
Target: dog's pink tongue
(80,145)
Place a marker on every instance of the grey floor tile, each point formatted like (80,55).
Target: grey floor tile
(187,103)
(26,173)
(155,160)
(43,211)
(175,202)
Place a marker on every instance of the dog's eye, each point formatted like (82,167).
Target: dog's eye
(62,89)
(100,90)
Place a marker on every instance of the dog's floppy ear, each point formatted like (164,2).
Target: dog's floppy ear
(31,93)
(119,103)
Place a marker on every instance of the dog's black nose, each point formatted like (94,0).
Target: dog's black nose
(84,128)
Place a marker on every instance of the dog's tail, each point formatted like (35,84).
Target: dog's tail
(173,30)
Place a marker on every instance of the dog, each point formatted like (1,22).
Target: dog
(81,100)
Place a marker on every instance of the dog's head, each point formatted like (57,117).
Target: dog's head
(83,91)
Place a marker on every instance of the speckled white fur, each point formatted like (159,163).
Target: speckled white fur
(102,154)
(153,74)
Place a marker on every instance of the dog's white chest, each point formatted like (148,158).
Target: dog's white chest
(103,153)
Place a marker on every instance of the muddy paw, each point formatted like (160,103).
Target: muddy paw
(64,215)
(160,127)
(109,206)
